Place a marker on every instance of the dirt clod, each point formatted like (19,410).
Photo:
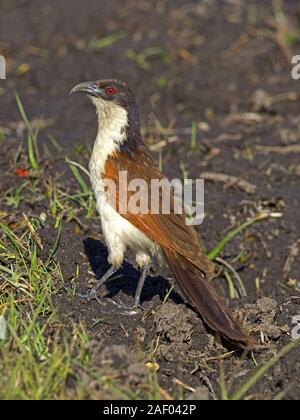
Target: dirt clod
(174,323)
(266,305)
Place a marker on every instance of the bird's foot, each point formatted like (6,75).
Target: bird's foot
(92,295)
(130,310)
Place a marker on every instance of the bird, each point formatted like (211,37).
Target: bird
(119,148)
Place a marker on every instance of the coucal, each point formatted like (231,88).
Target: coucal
(119,147)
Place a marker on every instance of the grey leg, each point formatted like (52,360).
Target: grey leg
(106,276)
(131,309)
(140,286)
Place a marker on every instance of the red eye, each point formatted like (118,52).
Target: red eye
(110,91)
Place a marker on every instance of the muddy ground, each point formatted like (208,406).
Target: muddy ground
(224,65)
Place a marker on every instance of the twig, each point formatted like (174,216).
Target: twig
(237,45)
(184,386)
(243,117)
(207,382)
(293,253)
(230,181)
(228,137)
(283,150)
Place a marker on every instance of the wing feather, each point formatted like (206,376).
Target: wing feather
(168,230)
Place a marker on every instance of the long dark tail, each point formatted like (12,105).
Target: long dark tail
(201,295)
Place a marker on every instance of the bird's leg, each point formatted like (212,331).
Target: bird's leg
(143,276)
(106,276)
(131,309)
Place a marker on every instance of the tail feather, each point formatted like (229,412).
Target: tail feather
(204,298)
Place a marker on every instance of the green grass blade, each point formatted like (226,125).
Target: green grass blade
(74,168)
(260,371)
(12,237)
(221,245)
(238,284)
(99,44)
(32,136)
(55,143)
(231,289)
(194,135)
(55,245)
(282,394)
(22,111)
(223,389)
(31,151)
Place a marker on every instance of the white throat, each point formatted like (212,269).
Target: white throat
(112,123)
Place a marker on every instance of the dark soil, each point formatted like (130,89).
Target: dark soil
(218,56)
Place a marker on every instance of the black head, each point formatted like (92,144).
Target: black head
(108,90)
(114,92)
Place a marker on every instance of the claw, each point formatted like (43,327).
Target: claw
(91,296)
(128,309)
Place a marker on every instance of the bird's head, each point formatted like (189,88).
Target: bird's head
(108,93)
(116,107)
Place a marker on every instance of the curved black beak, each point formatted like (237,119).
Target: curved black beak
(90,88)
